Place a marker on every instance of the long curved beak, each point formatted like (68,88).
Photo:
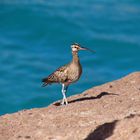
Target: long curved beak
(83,48)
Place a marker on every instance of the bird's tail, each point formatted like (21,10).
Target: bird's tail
(45,82)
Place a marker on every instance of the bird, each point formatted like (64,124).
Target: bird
(67,74)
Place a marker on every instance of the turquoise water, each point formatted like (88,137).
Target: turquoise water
(35,39)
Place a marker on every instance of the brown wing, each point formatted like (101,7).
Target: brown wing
(59,76)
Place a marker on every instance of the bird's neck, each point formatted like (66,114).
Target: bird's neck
(75,57)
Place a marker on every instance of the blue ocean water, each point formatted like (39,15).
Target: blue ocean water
(35,39)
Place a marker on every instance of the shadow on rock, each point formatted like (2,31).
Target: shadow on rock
(88,98)
(102,131)
(92,97)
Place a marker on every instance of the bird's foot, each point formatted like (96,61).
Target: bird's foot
(64,102)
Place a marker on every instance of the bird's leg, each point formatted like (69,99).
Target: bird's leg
(64,90)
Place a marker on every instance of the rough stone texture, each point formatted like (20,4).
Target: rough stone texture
(107,112)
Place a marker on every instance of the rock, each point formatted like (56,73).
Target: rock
(110,111)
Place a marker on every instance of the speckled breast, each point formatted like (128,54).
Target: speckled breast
(75,72)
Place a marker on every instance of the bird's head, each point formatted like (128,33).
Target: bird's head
(76,47)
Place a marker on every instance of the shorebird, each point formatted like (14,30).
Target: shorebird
(68,73)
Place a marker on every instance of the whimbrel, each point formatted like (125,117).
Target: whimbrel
(68,73)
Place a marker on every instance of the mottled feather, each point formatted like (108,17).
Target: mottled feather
(59,76)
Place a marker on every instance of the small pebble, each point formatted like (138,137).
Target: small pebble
(19,137)
(27,137)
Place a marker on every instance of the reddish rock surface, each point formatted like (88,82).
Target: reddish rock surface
(107,112)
